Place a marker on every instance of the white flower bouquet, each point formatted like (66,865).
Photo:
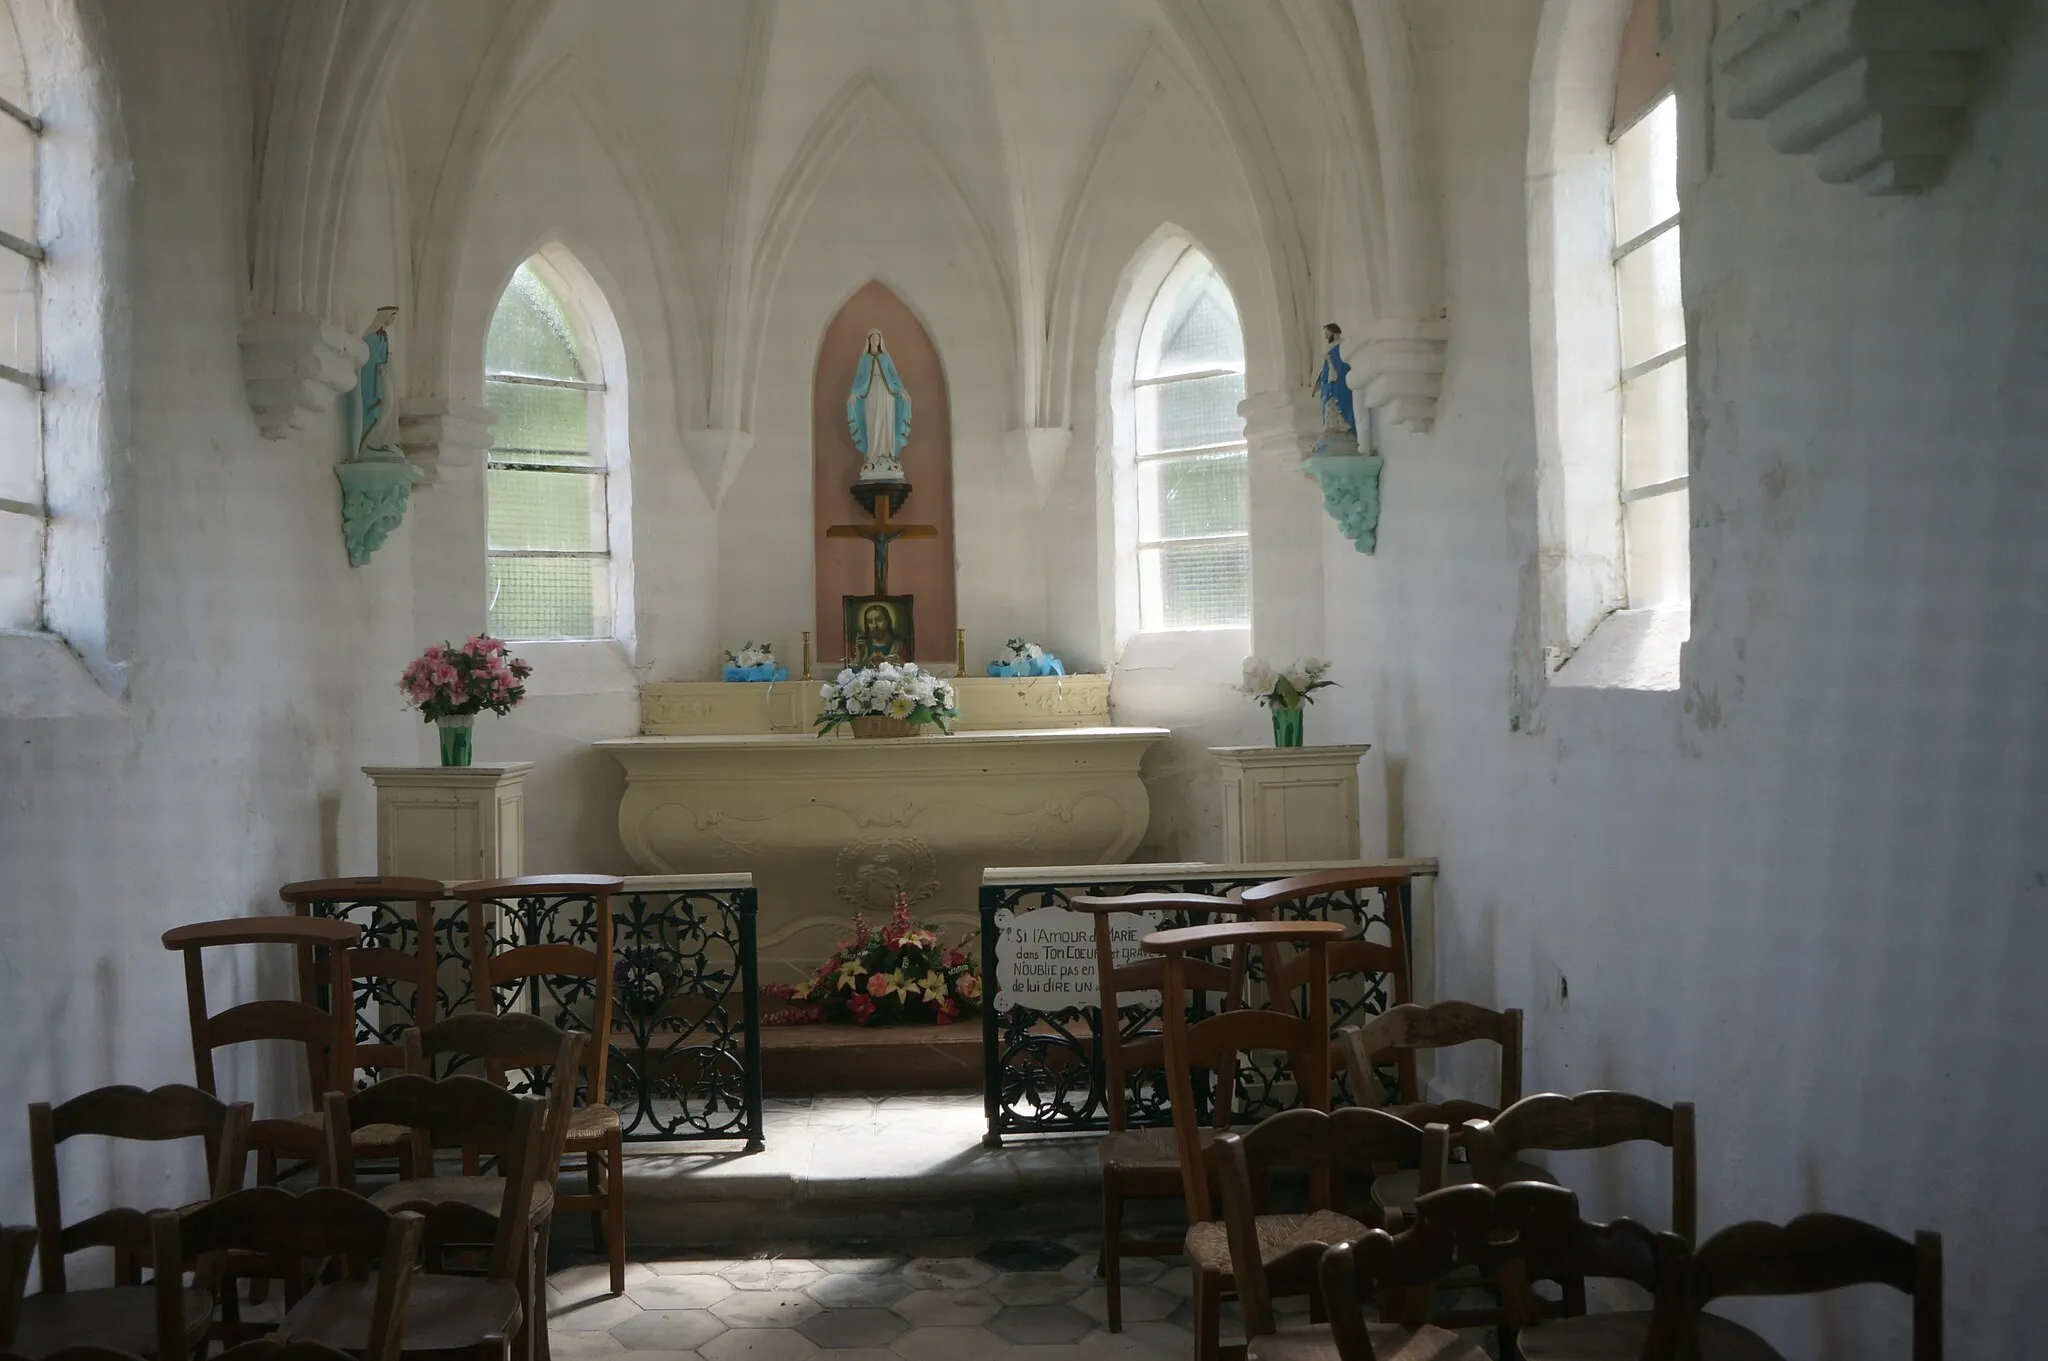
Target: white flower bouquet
(906,694)
(1022,658)
(1287,687)
(753,662)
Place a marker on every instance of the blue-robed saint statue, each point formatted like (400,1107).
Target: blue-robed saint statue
(377,419)
(1333,384)
(878,413)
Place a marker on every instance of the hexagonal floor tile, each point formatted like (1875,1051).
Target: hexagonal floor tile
(587,1280)
(585,1347)
(947,1308)
(841,1328)
(1176,1280)
(860,1259)
(694,1266)
(946,1273)
(766,1308)
(1034,1287)
(772,1273)
(1133,1271)
(760,1344)
(1040,1324)
(849,1292)
(591,1315)
(661,1356)
(658,1330)
(1142,1304)
(680,1292)
(1027,1254)
(954,1344)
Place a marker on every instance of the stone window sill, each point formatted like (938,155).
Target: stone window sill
(583,666)
(41,677)
(1630,650)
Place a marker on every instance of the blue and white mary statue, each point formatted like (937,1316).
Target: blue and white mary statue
(878,413)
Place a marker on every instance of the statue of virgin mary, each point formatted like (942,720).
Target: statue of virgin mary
(878,413)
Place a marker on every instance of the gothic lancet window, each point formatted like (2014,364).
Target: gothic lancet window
(1654,428)
(24,515)
(1193,541)
(549,480)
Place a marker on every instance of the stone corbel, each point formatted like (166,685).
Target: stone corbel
(1874,89)
(294,367)
(1397,367)
(374,496)
(1042,449)
(441,435)
(1280,426)
(717,455)
(1351,494)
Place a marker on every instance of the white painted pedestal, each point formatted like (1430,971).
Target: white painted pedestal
(452,823)
(1289,803)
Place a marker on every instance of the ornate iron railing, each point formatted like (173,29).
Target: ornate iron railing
(1042,1071)
(686,1021)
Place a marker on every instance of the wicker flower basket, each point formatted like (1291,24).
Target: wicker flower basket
(881,725)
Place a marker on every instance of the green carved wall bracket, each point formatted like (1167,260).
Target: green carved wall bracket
(1351,493)
(374,497)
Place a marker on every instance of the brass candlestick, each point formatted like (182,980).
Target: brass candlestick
(807,655)
(959,653)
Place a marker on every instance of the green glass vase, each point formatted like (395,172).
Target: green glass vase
(456,733)
(1286,726)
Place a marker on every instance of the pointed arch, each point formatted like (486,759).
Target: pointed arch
(862,114)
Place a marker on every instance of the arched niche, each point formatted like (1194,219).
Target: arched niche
(918,567)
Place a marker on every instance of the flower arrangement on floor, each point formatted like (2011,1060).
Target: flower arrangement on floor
(1021,658)
(900,974)
(1285,691)
(451,685)
(753,662)
(886,700)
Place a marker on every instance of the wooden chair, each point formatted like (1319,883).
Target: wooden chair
(1397,1033)
(1811,1254)
(1213,1044)
(1140,1163)
(118,1316)
(326,1033)
(595,1130)
(451,1313)
(301,1232)
(1288,1247)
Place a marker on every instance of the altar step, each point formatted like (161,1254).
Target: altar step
(847,1166)
(807,1060)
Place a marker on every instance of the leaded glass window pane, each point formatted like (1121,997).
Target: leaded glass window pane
(540,597)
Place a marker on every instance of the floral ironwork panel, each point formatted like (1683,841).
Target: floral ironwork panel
(1042,1071)
(385,1007)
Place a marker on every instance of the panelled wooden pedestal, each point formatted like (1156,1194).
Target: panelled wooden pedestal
(452,823)
(1289,803)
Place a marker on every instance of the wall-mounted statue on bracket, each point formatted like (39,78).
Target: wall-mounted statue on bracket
(878,413)
(1348,474)
(376,479)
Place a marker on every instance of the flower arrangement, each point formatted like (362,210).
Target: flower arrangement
(447,681)
(753,662)
(887,690)
(900,974)
(642,978)
(1021,651)
(1022,658)
(1287,688)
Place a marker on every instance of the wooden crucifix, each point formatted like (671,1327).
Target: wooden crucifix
(882,532)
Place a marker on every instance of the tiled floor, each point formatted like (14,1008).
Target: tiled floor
(952,1299)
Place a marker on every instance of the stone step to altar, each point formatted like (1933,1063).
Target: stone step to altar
(807,1060)
(847,1166)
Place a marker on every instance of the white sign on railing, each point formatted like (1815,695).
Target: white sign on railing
(1045,958)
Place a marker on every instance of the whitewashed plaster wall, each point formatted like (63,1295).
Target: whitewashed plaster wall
(259,664)
(1807,891)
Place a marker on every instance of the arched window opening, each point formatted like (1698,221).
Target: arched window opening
(1654,428)
(549,480)
(1193,529)
(24,514)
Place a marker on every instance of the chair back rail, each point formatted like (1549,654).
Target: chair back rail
(170,1112)
(1597,1119)
(1331,1143)
(1399,1031)
(1821,1252)
(417,967)
(1120,1055)
(329,1035)
(323,1224)
(1391,957)
(514,1040)
(521,963)
(1305,1039)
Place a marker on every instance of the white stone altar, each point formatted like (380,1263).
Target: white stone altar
(830,826)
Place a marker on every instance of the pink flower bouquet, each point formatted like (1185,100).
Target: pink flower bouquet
(900,973)
(449,681)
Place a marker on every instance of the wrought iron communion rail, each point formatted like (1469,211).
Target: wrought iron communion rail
(1042,1070)
(685,1060)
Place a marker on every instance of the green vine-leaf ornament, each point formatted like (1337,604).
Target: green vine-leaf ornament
(1351,493)
(374,497)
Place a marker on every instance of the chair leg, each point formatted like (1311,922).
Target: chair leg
(1208,1314)
(593,1186)
(1111,1265)
(615,1209)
